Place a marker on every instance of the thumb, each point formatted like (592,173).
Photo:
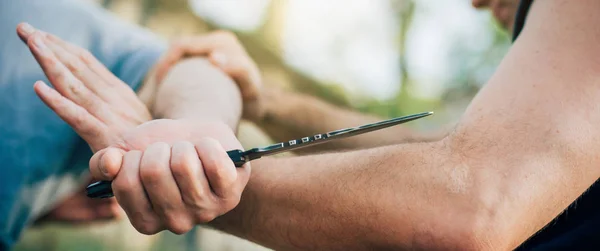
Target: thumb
(106,163)
(244,72)
(218,59)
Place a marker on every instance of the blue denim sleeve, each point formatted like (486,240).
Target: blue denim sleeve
(38,150)
(127,50)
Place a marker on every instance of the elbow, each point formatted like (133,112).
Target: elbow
(481,217)
(472,226)
(479,233)
(467,231)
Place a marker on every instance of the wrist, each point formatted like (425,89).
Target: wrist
(263,107)
(195,89)
(194,118)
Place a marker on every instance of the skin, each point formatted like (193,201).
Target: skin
(79,209)
(286,115)
(105,112)
(523,151)
(223,50)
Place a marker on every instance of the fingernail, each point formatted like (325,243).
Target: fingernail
(42,85)
(102,164)
(38,42)
(27,29)
(219,58)
(103,169)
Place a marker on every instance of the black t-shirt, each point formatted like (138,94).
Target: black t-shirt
(578,228)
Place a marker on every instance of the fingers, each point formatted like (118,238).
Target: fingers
(197,46)
(172,187)
(79,76)
(66,83)
(171,56)
(106,163)
(25,30)
(162,189)
(218,167)
(78,63)
(242,69)
(87,126)
(99,80)
(130,194)
(193,185)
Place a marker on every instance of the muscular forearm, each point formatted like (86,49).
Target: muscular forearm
(353,201)
(474,190)
(195,89)
(525,149)
(290,115)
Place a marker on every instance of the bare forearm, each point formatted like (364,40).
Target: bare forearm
(473,190)
(194,89)
(290,115)
(349,201)
(525,149)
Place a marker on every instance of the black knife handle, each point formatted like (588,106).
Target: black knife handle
(238,157)
(103,189)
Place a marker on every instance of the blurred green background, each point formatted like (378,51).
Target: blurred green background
(385,57)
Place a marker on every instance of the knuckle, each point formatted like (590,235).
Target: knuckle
(75,88)
(59,75)
(76,66)
(182,160)
(49,62)
(182,144)
(201,194)
(78,115)
(145,226)
(216,161)
(160,147)
(120,187)
(151,173)
(224,171)
(179,225)
(153,168)
(230,203)
(196,200)
(79,120)
(123,184)
(210,143)
(181,170)
(221,173)
(86,57)
(205,217)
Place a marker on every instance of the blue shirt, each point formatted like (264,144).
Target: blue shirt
(41,157)
(578,227)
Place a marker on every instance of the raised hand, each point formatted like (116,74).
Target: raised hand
(103,106)
(168,174)
(224,50)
